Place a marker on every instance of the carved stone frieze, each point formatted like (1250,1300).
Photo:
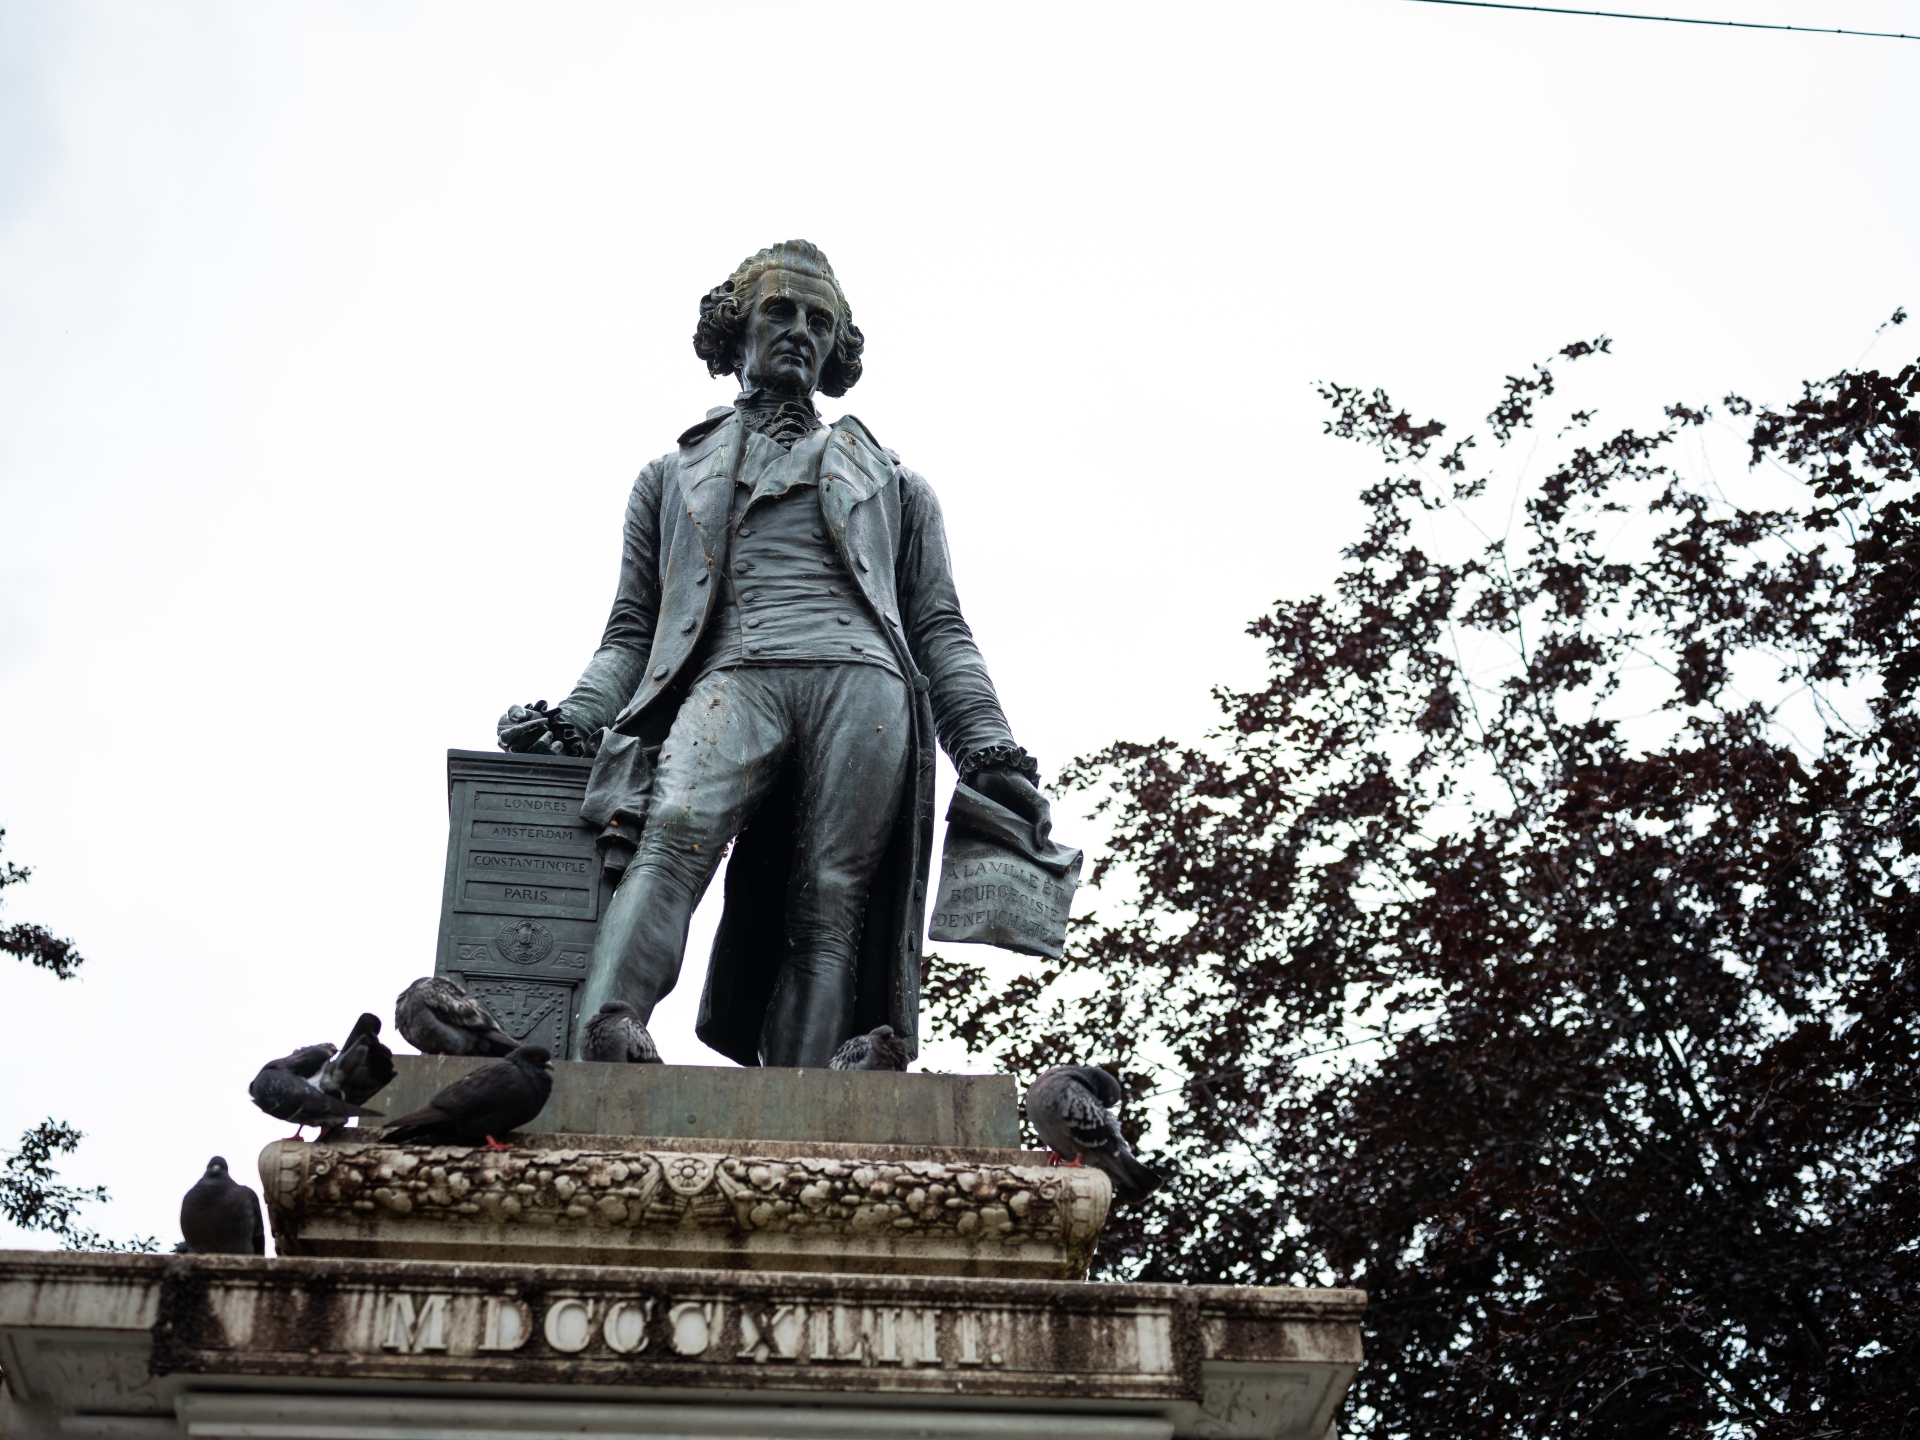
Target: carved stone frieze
(736,1210)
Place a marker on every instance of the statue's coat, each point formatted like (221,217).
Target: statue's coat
(886,525)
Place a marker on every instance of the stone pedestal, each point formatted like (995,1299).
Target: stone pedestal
(786,1170)
(823,1282)
(726,1102)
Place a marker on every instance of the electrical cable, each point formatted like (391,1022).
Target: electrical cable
(1670,19)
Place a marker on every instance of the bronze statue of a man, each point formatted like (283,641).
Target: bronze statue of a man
(785,648)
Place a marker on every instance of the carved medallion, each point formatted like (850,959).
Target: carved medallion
(525,942)
(689,1174)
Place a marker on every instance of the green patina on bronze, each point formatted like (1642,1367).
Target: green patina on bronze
(811,758)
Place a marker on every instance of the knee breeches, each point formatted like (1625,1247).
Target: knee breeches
(843,734)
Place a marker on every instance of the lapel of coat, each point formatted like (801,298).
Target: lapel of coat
(853,468)
(708,462)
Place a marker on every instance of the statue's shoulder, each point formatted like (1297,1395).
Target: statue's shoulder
(694,434)
(859,429)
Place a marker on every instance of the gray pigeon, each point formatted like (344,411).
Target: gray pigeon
(220,1217)
(876,1050)
(618,1035)
(362,1068)
(483,1104)
(437,1017)
(285,1089)
(1069,1107)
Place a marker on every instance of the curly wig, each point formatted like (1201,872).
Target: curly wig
(721,320)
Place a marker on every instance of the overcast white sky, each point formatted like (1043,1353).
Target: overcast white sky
(331,337)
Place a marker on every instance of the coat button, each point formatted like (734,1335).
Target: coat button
(816,533)
(863,562)
(844,619)
(744,531)
(687,629)
(754,623)
(659,672)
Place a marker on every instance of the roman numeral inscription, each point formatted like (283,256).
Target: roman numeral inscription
(732,1331)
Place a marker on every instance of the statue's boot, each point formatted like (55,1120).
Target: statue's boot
(811,1012)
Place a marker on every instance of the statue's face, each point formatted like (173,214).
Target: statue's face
(788,334)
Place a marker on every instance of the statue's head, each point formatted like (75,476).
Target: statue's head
(781,322)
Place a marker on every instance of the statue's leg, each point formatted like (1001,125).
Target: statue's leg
(853,735)
(716,765)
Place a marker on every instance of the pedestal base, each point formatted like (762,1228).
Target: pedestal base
(134,1347)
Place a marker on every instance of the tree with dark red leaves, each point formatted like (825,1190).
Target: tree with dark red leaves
(1537,948)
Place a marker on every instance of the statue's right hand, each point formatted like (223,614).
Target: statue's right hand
(527,727)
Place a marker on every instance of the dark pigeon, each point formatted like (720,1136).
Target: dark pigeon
(437,1017)
(877,1050)
(1069,1107)
(618,1035)
(286,1089)
(483,1104)
(362,1068)
(220,1217)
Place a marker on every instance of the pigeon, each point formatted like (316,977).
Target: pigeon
(219,1217)
(876,1050)
(618,1034)
(1069,1107)
(486,1102)
(362,1068)
(437,1017)
(285,1089)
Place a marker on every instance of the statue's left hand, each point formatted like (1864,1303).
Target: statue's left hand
(1019,794)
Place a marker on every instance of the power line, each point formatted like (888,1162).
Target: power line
(1671,19)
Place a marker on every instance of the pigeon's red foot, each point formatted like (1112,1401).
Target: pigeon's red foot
(493,1144)
(1075,1163)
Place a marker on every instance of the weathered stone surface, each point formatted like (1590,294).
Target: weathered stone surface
(718,1102)
(113,1345)
(734,1208)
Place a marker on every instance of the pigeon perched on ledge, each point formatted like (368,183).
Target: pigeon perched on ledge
(1069,1107)
(362,1068)
(617,1035)
(286,1089)
(483,1104)
(221,1217)
(876,1050)
(437,1017)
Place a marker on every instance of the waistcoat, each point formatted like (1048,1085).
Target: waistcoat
(785,598)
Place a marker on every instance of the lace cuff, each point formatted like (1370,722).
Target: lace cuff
(1004,757)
